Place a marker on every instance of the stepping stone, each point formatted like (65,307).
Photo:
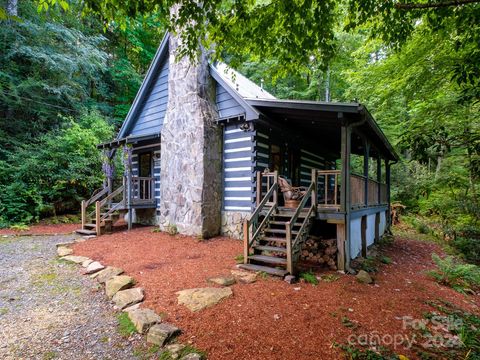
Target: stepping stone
(125,298)
(133,307)
(222,280)
(200,298)
(65,244)
(75,259)
(94,267)
(174,349)
(144,319)
(160,334)
(364,277)
(106,274)
(244,277)
(86,263)
(117,283)
(192,356)
(64,251)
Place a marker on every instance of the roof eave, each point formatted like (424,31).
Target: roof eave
(145,84)
(250,112)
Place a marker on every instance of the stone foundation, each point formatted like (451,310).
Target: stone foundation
(232,224)
(143,217)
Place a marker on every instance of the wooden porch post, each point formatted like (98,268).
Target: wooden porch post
(387,181)
(259,187)
(379,178)
(366,156)
(314,192)
(343,233)
(129,198)
(84,213)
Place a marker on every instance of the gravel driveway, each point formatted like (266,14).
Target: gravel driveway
(48,310)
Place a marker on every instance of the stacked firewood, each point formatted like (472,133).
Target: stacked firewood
(320,251)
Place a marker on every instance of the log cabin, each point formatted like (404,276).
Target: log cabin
(204,149)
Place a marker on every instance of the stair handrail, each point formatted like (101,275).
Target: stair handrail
(96,195)
(291,245)
(253,219)
(100,204)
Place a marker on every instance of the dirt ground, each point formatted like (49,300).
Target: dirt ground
(271,319)
(43,229)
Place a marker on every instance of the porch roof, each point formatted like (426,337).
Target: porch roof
(132,139)
(324,120)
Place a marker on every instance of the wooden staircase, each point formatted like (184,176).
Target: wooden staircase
(273,235)
(106,212)
(269,252)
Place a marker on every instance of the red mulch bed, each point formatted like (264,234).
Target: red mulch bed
(42,229)
(270,319)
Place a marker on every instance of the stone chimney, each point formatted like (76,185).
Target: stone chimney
(191,144)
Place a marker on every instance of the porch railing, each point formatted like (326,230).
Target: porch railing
(252,227)
(143,190)
(328,185)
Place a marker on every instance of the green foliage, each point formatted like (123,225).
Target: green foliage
(355,353)
(125,326)
(19,227)
(459,276)
(385,260)
(309,277)
(171,229)
(330,277)
(469,247)
(239,259)
(55,174)
(460,323)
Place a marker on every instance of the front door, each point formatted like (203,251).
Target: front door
(145,171)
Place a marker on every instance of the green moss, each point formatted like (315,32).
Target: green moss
(125,326)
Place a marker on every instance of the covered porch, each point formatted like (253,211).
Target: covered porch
(134,194)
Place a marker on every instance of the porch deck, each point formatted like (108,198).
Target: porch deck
(106,205)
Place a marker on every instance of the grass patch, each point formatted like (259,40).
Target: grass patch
(459,276)
(309,277)
(3,311)
(369,264)
(239,259)
(357,353)
(45,279)
(156,230)
(330,278)
(385,260)
(348,323)
(19,227)
(145,352)
(167,355)
(125,326)
(49,355)
(455,332)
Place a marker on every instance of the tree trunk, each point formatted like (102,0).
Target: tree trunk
(327,85)
(12,7)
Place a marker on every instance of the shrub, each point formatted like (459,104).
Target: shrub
(309,277)
(54,174)
(459,276)
(470,248)
(172,229)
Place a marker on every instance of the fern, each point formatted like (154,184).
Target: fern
(458,276)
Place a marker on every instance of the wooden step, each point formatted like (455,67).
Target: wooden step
(270,248)
(93,226)
(275,239)
(266,269)
(274,222)
(279,231)
(86,232)
(268,259)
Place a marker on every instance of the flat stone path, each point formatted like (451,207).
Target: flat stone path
(48,310)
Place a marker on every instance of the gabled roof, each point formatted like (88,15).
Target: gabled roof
(161,53)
